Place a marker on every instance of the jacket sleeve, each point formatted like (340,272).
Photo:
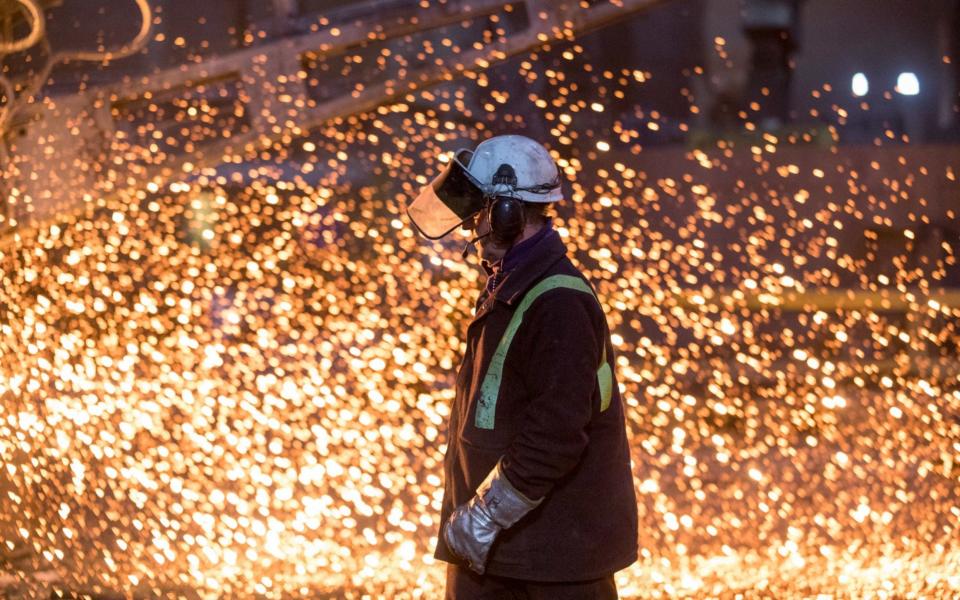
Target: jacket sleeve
(563,337)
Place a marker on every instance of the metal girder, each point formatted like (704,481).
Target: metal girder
(275,99)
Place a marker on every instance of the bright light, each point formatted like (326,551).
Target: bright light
(860,85)
(908,84)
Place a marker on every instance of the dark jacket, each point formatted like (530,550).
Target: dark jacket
(555,441)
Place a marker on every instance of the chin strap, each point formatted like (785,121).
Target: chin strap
(498,275)
(495,272)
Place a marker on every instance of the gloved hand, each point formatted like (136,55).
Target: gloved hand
(471,529)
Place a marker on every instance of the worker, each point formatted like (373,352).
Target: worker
(539,500)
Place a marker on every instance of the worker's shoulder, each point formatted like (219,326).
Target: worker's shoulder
(564,270)
(561,289)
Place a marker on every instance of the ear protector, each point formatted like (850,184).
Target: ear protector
(506,219)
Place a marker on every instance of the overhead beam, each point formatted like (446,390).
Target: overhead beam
(83,128)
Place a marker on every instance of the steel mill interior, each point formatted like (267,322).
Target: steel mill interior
(227,359)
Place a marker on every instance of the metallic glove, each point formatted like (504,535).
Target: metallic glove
(473,526)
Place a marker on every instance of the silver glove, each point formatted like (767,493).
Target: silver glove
(473,526)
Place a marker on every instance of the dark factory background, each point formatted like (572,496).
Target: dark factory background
(226,358)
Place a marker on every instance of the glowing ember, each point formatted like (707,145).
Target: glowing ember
(238,382)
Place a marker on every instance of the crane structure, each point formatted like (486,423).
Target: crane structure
(61,152)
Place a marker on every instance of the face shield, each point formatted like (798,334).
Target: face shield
(449,200)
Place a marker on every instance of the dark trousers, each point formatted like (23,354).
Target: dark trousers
(464,584)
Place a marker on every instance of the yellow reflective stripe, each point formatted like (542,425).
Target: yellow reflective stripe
(490,388)
(605,380)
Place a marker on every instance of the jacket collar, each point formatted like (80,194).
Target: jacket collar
(536,262)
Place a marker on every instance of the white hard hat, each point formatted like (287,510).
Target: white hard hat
(517,166)
(506,165)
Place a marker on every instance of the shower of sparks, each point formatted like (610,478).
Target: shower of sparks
(238,383)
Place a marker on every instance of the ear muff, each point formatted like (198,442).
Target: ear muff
(506,220)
